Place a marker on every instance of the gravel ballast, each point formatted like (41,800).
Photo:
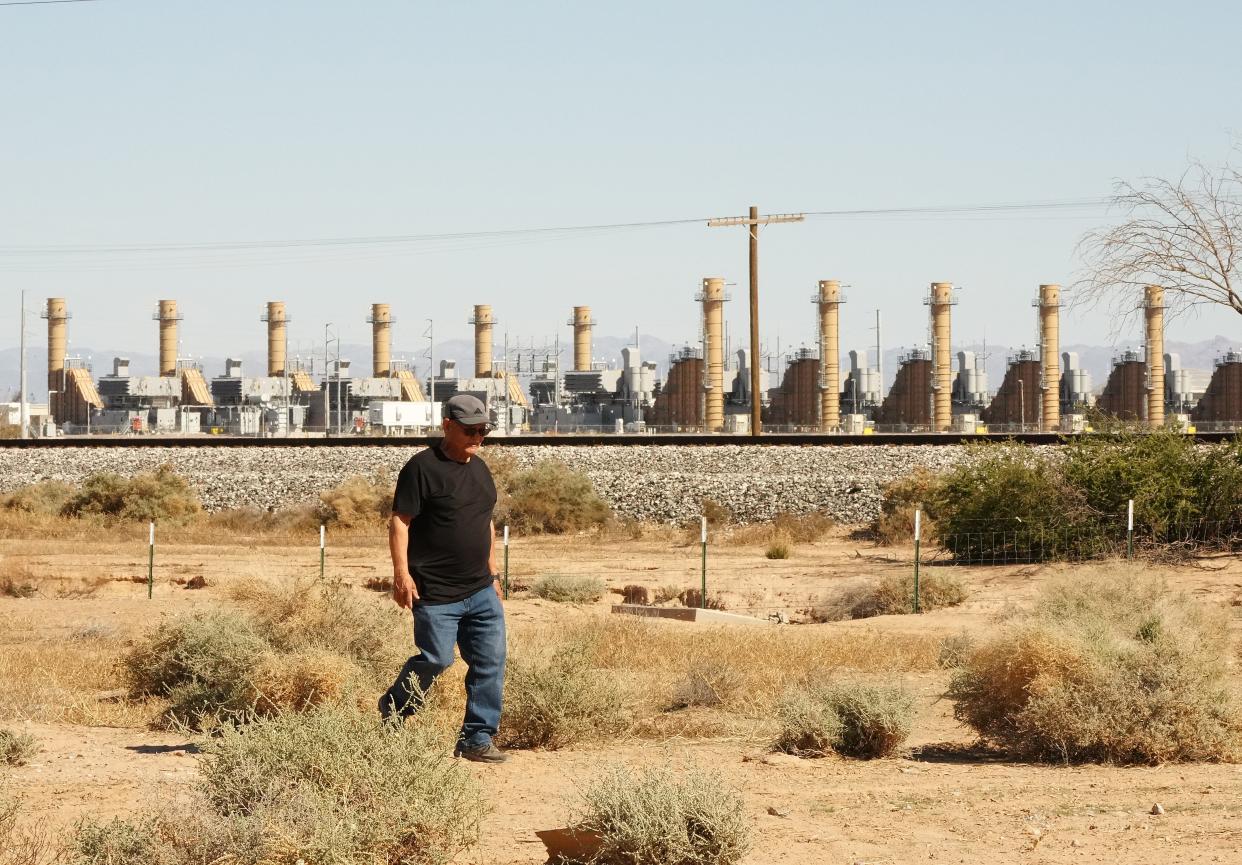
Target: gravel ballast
(649,483)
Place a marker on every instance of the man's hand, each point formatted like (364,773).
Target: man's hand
(500,592)
(404,592)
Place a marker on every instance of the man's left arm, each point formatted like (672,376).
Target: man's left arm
(491,562)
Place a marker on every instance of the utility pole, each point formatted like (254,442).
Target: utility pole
(753,221)
(21,382)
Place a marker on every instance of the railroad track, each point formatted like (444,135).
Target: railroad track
(663,440)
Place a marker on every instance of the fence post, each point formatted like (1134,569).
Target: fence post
(918,524)
(505,584)
(151,561)
(1130,530)
(321,549)
(703,540)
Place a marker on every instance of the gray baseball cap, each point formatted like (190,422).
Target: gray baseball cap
(467,409)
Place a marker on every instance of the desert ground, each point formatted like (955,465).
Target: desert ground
(944,799)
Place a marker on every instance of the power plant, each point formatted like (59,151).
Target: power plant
(705,388)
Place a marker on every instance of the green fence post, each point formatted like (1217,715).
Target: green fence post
(151,561)
(1130,530)
(918,515)
(505,585)
(703,587)
(322,539)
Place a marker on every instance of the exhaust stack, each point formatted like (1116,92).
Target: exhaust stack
(713,297)
(942,356)
(168,317)
(1050,355)
(57,316)
(1153,306)
(276,321)
(582,337)
(482,321)
(381,321)
(829,301)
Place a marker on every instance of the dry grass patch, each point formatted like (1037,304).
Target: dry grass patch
(658,817)
(851,718)
(1111,668)
(549,498)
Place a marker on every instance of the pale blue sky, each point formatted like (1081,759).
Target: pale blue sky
(144,122)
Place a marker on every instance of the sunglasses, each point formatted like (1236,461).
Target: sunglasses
(480,430)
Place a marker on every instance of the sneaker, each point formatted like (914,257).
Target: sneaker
(488,753)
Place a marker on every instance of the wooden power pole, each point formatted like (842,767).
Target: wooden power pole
(753,221)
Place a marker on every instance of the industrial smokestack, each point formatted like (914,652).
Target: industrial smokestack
(482,321)
(381,340)
(942,362)
(582,337)
(1050,355)
(829,301)
(713,298)
(57,317)
(276,321)
(1153,306)
(167,317)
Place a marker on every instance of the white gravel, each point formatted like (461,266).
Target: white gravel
(654,483)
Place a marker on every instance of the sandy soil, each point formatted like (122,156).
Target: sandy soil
(944,801)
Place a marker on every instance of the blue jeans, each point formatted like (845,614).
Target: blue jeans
(477,625)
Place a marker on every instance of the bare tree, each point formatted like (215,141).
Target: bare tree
(1184,235)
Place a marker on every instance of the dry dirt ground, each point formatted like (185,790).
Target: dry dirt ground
(942,801)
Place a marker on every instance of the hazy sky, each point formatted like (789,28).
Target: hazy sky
(140,123)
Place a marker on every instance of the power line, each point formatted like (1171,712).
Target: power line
(40,2)
(519,234)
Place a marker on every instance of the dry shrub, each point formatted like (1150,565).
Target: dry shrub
(302,520)
(693,598)
(895,524)
(202,664)
(954,650)
(557,698)
(1113,668)
(635,594)
(326,786)
(709,684)
(850,718)
(893,595)
(30,846)
(298,681)
(301,615)
(551,498)
(660,816)
(17,580)
(46,497)
(162,495)
(378,584)
(357,502)
(16,749)
(566,589)
(666,594)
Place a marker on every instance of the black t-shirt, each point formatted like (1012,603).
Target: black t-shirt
(450,535)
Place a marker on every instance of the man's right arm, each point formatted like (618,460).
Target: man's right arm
(404,592)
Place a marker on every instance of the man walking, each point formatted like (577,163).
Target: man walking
(442,542)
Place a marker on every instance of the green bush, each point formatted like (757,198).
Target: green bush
(851,718)
(900,499)
(159,495)
(558,699)
(551,498)
(566,589)
(661,817)
(329,786)
(1113,668)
